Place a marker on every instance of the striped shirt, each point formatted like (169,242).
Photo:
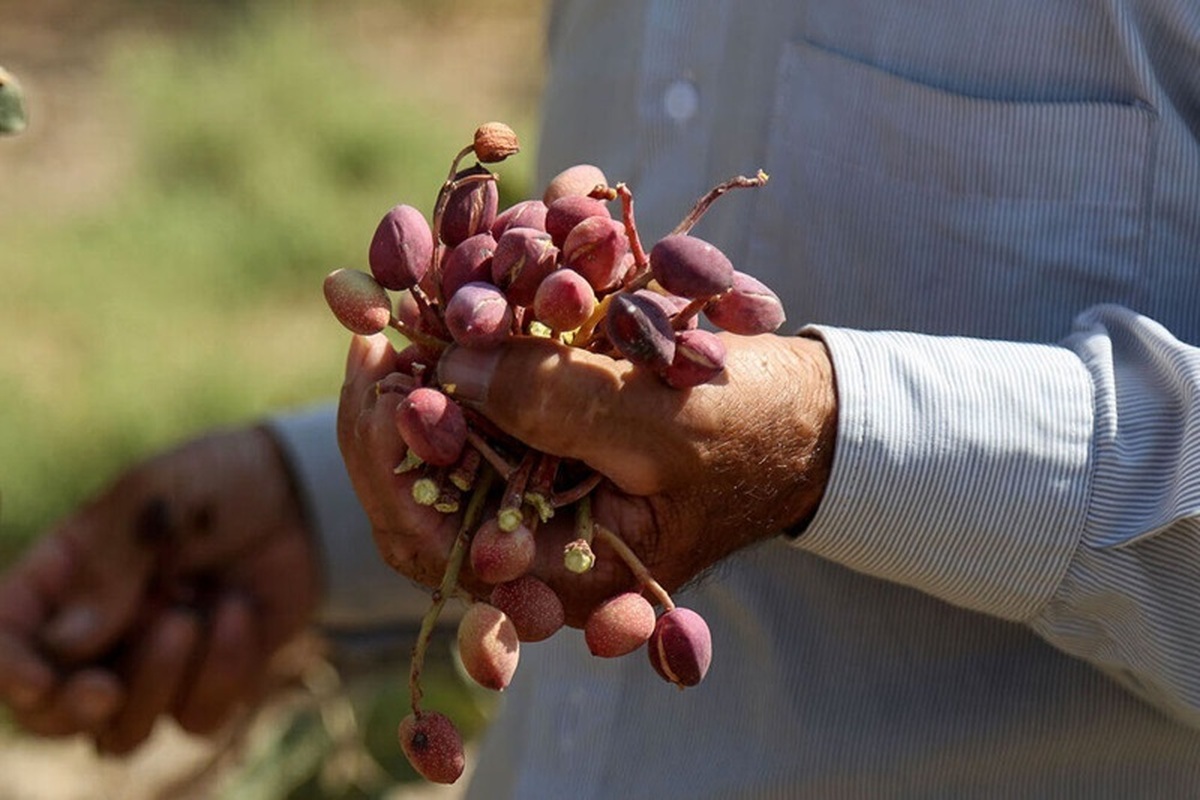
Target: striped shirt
(991,215)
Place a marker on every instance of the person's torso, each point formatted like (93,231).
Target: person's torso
(984,169)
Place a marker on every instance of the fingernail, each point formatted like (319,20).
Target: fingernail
(466,373)
(73,627)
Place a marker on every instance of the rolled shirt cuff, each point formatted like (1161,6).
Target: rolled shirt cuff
(961,466)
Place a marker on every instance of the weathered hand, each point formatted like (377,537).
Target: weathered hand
(166,594)
(692,475)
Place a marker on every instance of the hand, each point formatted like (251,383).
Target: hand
(692,475)
(166,594)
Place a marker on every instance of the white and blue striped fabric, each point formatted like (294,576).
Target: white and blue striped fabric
(990,212)
(1053,486)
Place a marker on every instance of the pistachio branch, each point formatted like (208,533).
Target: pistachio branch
(439,208)
(448,587)
(497,461)
(635,565)
(418,337)
(578,492)
(740,182)
(511,514)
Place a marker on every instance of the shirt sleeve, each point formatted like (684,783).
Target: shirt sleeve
(360,591)
(1056,486)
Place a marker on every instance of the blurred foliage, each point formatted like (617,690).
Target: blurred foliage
(257,153)
(340,742)
(12,104)
(261,158)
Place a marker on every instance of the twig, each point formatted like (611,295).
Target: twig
(447,587)
(511,515)
(418,337)
(635,565)
(576,492)
(498,462)
(740,182)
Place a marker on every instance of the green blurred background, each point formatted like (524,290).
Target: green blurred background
(190,173)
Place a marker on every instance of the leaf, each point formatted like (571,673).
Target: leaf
(12,104)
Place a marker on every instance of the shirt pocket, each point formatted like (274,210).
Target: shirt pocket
(903,205)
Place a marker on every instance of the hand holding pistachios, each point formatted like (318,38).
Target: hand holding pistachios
(560,442)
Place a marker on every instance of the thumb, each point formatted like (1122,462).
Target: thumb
(571,403)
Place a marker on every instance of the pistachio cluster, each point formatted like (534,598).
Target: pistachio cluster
(564,267)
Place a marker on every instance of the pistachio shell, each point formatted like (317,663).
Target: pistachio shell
(681,647)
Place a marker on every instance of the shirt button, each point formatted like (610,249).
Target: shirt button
(681,100)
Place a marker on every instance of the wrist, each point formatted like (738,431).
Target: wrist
(284,482)
(779,429)
(816,430)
